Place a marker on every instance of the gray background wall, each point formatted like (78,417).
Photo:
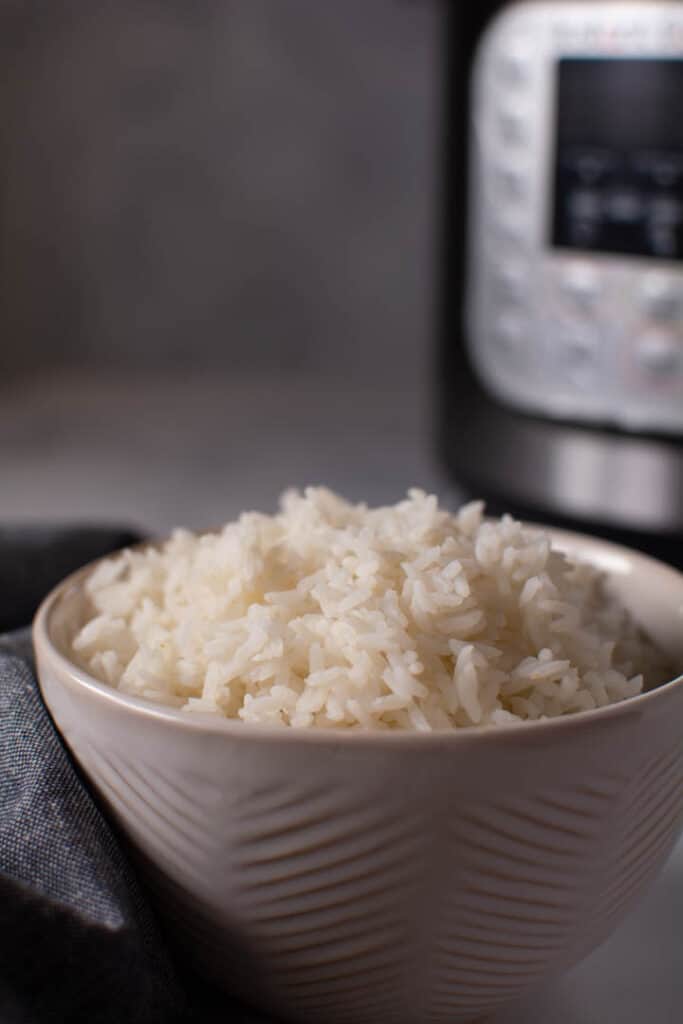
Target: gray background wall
(234,183)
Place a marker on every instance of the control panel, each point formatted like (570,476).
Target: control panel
(575,262)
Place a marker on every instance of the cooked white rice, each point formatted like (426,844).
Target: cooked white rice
(336,615)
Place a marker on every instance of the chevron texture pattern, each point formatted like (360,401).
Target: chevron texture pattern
(388,879)
(362,884)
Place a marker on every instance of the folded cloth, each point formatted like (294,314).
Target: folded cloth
(78,941)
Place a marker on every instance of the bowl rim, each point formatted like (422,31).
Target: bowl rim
(209,722)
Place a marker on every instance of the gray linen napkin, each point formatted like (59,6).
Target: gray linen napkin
(78,939)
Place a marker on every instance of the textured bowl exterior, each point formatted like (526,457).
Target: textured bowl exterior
(369,879)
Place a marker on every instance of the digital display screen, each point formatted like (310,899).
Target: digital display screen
(619,156)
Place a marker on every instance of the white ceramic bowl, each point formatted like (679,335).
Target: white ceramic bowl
(370,878)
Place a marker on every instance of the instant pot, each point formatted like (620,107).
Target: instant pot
(561,315)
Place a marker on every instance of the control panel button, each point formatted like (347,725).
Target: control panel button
(663,170)
(513,64)
(591,165)
(511,182)
(581,283)
(661,299)
(511,126)
(665,210)
(510,282)
(624,206)
(510,332)
(579,350)
(659,354)
(584,204)
(576,351)
(508,230)
(584,212)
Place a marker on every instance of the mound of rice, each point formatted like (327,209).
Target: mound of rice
(336,615)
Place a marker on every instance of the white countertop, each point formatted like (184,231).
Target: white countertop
(197,449)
